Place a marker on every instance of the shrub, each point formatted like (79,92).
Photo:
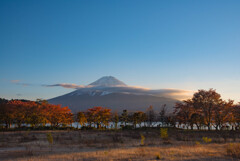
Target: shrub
(158,156)
(233,150)
(164,133)
(142,139)
(49,138)
(206,139)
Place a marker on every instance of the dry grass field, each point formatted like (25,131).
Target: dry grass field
(119,145)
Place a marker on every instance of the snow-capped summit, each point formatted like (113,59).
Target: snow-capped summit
(113,93)
(108,81)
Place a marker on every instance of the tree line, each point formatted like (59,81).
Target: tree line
(34,113)
(100,117)
(205,109)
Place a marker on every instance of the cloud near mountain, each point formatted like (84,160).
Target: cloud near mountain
(113,93)
(110,84)
(76,86)
(66,85)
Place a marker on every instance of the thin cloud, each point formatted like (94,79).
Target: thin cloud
(170,93)
(24,84)
(18,82)
(139,87)
(15,81)
(66,85)
(175,93)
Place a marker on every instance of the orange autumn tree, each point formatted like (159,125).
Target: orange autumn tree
(58,115)
(236,116)
(33,113)
(6,115)
(184,111)
(35,116)
(98,116)
(206,108)
(81,118)
(18,111)
(22,112)
(138,117)
(223,114)
(105,115)
(206,101)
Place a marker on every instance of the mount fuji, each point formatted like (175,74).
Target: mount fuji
(116,95)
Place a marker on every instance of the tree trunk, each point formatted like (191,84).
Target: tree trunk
(209,128)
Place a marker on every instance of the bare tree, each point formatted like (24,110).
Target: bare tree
(150,116)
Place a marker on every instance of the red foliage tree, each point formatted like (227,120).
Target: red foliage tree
(98,116)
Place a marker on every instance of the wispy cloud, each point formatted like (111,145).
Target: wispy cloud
(139,87)
(175,93)
(15,81)
(25,84)
(66,85)
(18,82)
(171,93)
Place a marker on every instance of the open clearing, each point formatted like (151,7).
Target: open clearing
(116,145)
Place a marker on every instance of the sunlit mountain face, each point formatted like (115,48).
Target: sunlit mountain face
(115,94)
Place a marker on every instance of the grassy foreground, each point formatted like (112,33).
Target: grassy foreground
(184,152)
(119,145)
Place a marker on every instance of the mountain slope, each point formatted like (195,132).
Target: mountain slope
(112,93)
(116,101)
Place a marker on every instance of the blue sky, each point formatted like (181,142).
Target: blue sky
(157,44)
